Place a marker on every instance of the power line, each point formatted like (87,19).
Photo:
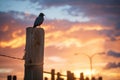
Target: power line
(10,57)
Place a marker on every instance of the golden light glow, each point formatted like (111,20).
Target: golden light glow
(87,72)
(16,42)
(94,27)
(16,33)
(48,27)
(74,29)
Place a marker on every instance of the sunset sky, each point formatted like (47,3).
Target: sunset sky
(73,29)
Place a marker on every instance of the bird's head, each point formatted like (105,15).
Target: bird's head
(41,14)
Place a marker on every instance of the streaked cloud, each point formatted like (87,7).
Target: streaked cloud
(14,43)
(114,54)
(5,70)
(112,65)
(56,59)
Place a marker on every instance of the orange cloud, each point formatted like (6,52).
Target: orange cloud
(73,36)
(18,41)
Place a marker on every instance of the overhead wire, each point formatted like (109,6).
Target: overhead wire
(11,57)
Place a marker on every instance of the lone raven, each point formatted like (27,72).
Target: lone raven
(39,20)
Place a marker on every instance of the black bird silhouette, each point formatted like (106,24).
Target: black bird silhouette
(39,20)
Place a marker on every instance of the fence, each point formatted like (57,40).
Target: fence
(10,77)
(69,76)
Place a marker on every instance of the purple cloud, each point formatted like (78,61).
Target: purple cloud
(105,12)
(112,65)
(12,21)
(114,54)
(76,2)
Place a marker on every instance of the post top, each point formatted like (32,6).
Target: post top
(34,28)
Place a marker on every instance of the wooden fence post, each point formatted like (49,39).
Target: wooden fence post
(58,76)
(34,54)
(81,76)
(9,77)
(93,78)
(86,78)
(14,77)
(53,74)
(100,78)
(70,76)
(46,78)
